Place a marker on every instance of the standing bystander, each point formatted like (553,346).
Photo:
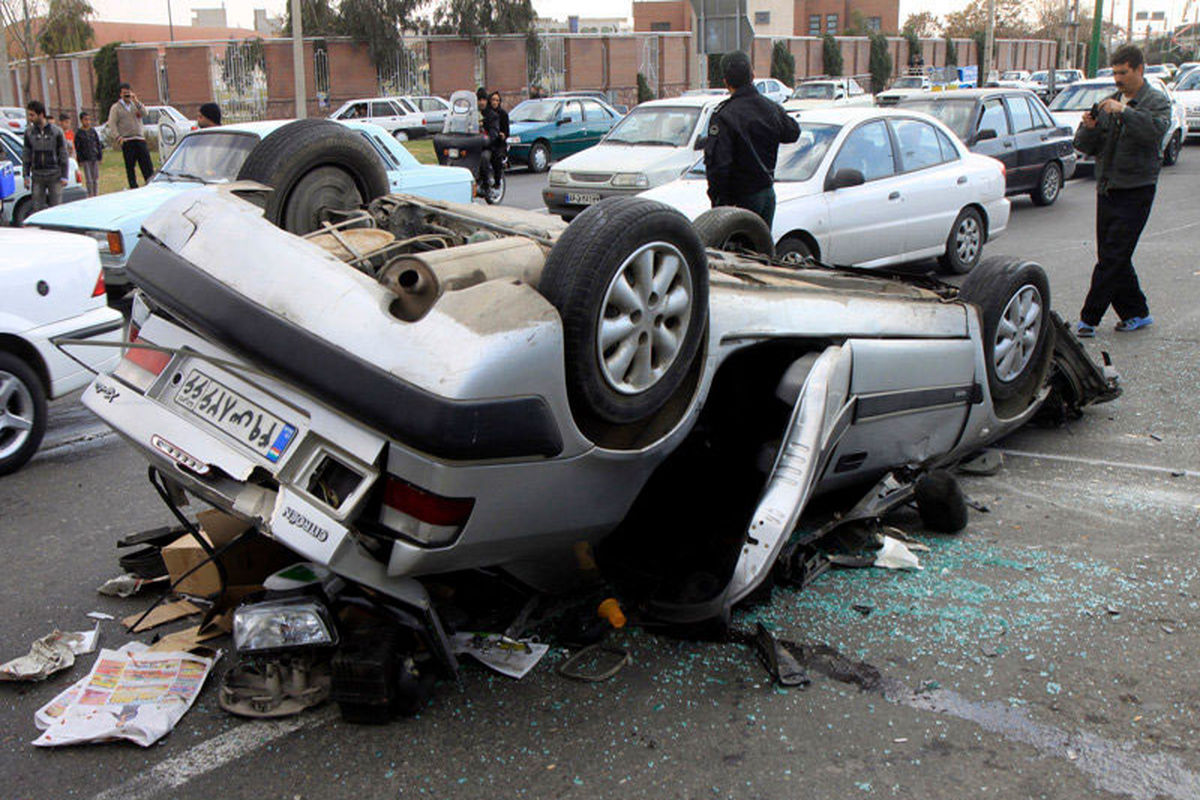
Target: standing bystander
(44,158)
(88,153)
(1124,133)
(64,123)
(125,122)
(210,116)
(744,135)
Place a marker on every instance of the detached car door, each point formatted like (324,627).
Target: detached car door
(867,222)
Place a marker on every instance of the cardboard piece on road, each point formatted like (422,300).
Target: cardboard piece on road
(184,641)
(247,563)
(167,612)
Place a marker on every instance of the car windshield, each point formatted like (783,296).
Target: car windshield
(799,160)
(813,91)
(1156,69)
(208,157)
(907,83)
(1039,77)
(535,111)
(1081,98)
(1191,81)
(14,113)
(664,126)
(954,114)
(1012,76)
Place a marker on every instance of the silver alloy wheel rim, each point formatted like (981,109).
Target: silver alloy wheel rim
(644,317)
(1050,184)
(966,240)
(16,414)
(1017,333)
(540,158)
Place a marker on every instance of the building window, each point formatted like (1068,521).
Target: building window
(762,17)
(1158,15)
(874,24)
(831,24)
(814,24)
(1143,15)
(660,26)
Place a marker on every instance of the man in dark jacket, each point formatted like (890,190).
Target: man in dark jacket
(44,158)
(1125,136)
(744,135)
(88,153)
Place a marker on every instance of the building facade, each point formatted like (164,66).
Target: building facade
(779,17)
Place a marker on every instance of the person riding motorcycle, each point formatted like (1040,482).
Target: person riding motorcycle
(496,128)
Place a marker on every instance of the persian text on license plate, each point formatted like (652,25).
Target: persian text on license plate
(235,416)
(582,198)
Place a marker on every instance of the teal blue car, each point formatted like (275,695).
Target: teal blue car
(550,128)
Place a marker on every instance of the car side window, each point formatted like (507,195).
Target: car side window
(1022,116)
(405,106)
(151,117)
(385,155)
(10,153)
(382,110)
(867,149)
(949,151)
(855,87)
(572,110)
(993,117)
(1044,120)
(919,146)
(356,111)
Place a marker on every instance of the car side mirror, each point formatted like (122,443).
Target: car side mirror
(565,120)
(701,143)
(844,179)
(985,134)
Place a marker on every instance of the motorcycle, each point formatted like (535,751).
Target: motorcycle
(462,144)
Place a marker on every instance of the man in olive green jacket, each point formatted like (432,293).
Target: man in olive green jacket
(1124,133)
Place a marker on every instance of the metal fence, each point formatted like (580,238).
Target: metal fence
(547,64)
(321,74)
(239,81)
(408,73)
(648,61)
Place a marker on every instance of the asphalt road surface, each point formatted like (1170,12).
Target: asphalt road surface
(1049,651)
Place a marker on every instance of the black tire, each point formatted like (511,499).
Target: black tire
(1049,185)
(993,286)
(20,212)
(291,154)
(1171,153)
(940,502)
(793,250)
(581,280)
(22,396)
(735,229)
(539,157)
(960,256)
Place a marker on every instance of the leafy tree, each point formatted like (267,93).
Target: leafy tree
(923,24)
(980,39)
(378,24)
(644,92)
(783,63)
(831,56)
(856,25)
(476,18)
(951,52)
(319,18)
(17,17)
(879,62)
(66,28)
(108,78)
(914,41)
(1010,19)
(716,79)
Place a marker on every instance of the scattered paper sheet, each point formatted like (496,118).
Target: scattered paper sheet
(50,654)
(167,612)
(44,717)
(100,615)
(511,657)
(138,696)
(895,555)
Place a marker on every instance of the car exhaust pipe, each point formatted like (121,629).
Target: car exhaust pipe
(419,279)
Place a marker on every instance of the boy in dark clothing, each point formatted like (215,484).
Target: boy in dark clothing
(44,157)
(88,153)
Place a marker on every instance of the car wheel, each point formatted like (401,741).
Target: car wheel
(630,279)
(735,230)
(401,136)
(1171,154)
(494,195)
(539,157)
(1048,186)
(793,251)
(20,212)
(964,244)
(1013,298)
(22,413)
(336,166)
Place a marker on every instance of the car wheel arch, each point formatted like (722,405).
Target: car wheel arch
(983,215)
(21,211)
(10,343)
(807,238)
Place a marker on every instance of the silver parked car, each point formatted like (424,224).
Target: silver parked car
(434,109)
(442,388)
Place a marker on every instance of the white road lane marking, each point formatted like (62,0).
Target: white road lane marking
(213,754)
(1103,462)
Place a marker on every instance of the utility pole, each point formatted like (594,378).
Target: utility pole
(298,61)
(1129,30)
(1094,50)
(989,46)
(170,22)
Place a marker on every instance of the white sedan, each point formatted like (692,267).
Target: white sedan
(51,286)
(828,92)
(395,115)
(873,187)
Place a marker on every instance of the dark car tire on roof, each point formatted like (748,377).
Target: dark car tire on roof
(332,165)
(629,278)
(23,397)
(1013,297)
(736,230)
(1049,185)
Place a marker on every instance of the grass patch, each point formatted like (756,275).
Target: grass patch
(422,149)
(112,170)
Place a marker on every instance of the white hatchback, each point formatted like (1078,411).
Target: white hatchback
(873,187)
(396,115)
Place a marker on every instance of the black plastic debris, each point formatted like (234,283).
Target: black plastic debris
(940,502)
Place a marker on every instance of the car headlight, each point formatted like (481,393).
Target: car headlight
(107,242)
(630,179)
(558,177)
(298,622)
(514,140)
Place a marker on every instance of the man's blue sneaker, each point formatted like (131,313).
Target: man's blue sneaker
(1133,323)
(1084,331)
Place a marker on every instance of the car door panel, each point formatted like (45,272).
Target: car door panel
(867,223)
(1003,148)
(1032,151)
(930,185)
(571,134)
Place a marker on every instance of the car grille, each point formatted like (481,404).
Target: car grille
(591,177)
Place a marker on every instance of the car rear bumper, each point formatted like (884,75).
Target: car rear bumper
(66,373)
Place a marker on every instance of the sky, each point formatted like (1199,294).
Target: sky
(240,13)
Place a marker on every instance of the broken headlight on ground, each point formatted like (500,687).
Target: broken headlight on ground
(272,627)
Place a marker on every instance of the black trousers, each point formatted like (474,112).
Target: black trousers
(761,202)
(1121,215)
(137,152)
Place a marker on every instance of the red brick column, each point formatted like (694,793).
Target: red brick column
(451,66)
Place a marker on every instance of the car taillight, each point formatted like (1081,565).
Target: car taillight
(99,289)
(140,366)
(116,245)
(423,515)
(78,176)
(12,123)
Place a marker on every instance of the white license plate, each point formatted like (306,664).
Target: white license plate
(234,415)
(582,198)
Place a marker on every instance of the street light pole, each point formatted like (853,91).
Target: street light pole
(298,61)
(989,39)
(170,21)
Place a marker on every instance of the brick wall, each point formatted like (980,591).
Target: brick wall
(190,76)
(649,14)
(137,67)
(506,67)
(585,63)
(451,66)
(351,73)
(624,55)
(281,91)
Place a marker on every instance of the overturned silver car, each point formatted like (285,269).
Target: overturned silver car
(427,388)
